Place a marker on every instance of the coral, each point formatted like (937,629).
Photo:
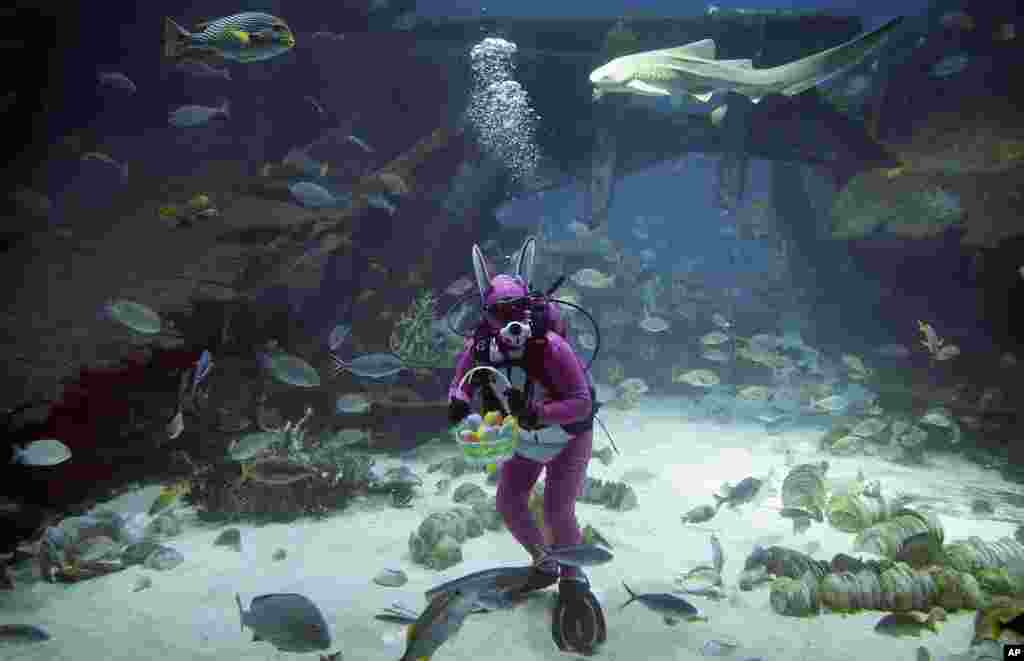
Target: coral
(437,542)
(415,340)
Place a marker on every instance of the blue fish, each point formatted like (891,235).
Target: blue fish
(381,202)
(116,80)
(190,116)
(312,195)
(201,370)
(371,365)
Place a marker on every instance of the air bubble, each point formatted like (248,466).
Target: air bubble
(500,110)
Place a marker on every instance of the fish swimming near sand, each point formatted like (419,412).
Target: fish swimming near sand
(744,492)
(580,555)
(669,606)
(497,579)
(289,622)
(693,70)
(441,620)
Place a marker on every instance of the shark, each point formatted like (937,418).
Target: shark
(693,70)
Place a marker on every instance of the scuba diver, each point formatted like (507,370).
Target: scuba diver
(523,333)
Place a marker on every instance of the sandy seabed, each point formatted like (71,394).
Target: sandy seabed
(190,612)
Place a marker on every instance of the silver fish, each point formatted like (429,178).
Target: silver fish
(312,196)
(372,365)
(708,592)
(580,555)
(497,579)
(117,80)
(362,143)
(193,115)
(176,425)
(669,606)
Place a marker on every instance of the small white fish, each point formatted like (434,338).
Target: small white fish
(176,425)
(46,452)
(191,115)
(951,65)
(365,147)
(105,158)
(312,195)
(831,404)
(200,69)
(116,80)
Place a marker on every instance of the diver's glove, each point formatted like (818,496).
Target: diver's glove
(457,411)
(525,415)
(577,624)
